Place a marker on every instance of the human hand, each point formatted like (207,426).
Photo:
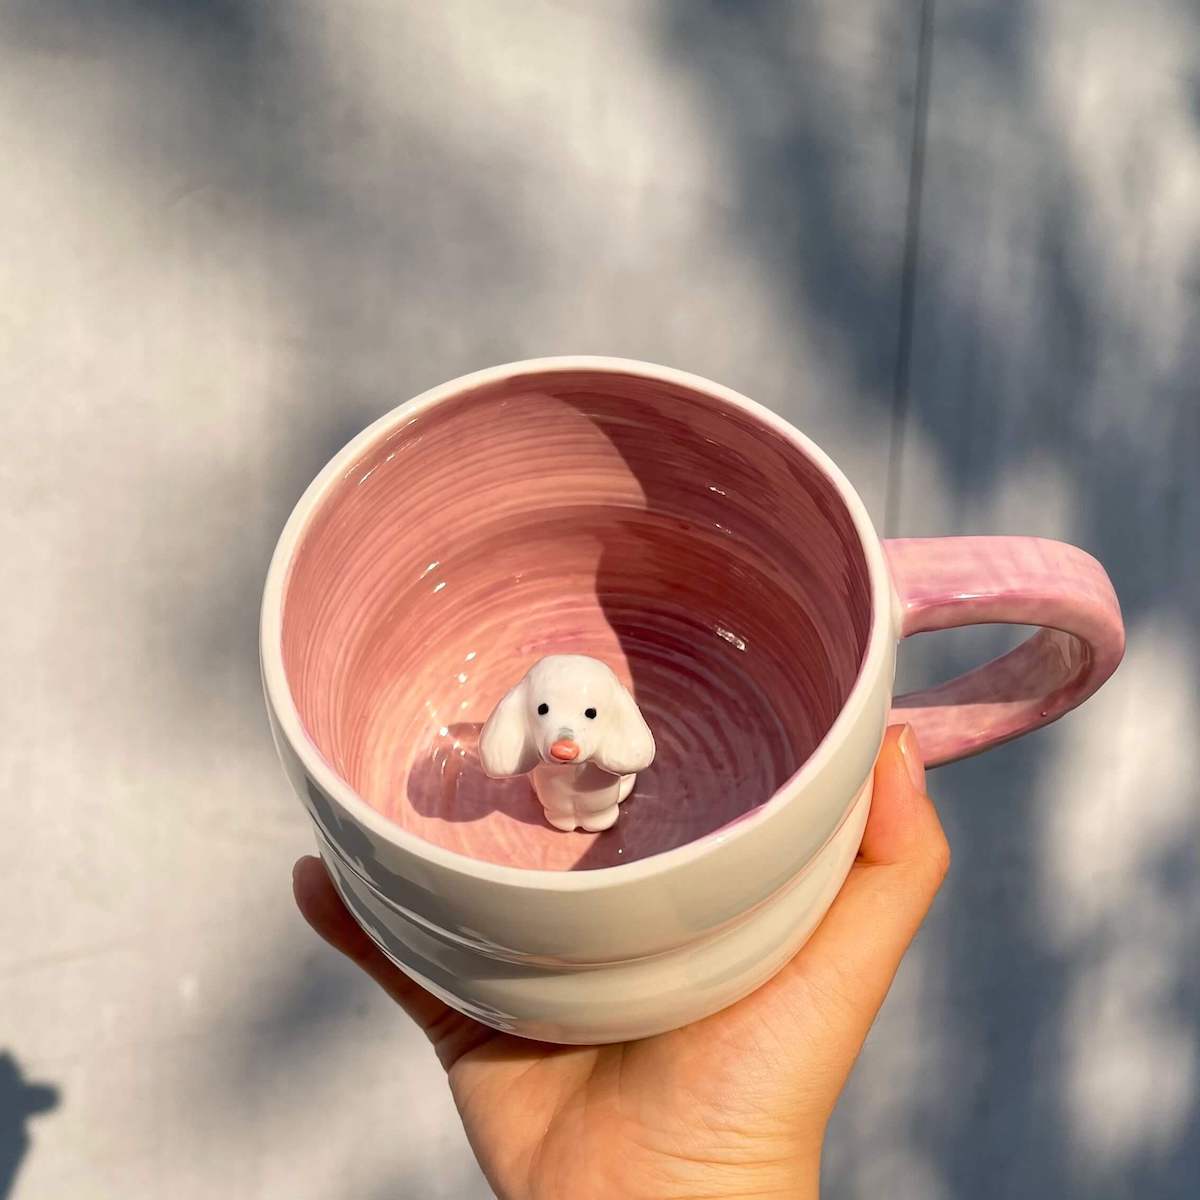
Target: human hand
(733,1106)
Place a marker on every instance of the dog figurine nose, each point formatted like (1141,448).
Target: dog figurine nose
(564,751)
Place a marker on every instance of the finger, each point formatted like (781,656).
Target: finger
(852,957)
(903,826)
(322,908)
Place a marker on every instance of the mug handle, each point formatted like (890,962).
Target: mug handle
(946,582)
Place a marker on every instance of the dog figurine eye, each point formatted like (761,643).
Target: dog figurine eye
(543,709)
(590,713)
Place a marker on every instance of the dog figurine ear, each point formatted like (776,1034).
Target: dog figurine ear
(626,745)
(505,747)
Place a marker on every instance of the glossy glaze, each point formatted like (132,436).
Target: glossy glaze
(713,566)
(751,606)
(945,582)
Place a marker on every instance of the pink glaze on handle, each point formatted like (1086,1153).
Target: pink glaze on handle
(947,582)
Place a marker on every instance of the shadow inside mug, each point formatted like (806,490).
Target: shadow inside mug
(449,783)
(722,751)
(729,595)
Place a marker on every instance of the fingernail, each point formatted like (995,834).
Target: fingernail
(910,748)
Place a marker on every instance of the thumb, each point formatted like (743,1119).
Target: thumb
(452,1034)
(851,959)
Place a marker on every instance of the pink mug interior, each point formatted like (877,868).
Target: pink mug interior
(695,549)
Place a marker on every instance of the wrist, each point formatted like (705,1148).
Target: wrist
(792,1179)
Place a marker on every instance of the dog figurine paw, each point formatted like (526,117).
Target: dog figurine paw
(574,728)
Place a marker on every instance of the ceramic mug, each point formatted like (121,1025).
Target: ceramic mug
(724,567)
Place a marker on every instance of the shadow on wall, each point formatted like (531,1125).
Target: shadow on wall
(19,1101)
(231,134)
(1028,358)
(1024,349)
(227,125)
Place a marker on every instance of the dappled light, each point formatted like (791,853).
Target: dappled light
(238,232)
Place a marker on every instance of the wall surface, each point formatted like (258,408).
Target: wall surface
(958,244)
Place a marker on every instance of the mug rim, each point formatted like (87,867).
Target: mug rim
(283,708)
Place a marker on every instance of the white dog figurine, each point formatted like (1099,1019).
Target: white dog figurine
(574,726)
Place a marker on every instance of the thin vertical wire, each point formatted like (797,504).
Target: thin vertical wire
(902,383)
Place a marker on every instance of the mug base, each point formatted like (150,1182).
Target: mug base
(592,1004)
